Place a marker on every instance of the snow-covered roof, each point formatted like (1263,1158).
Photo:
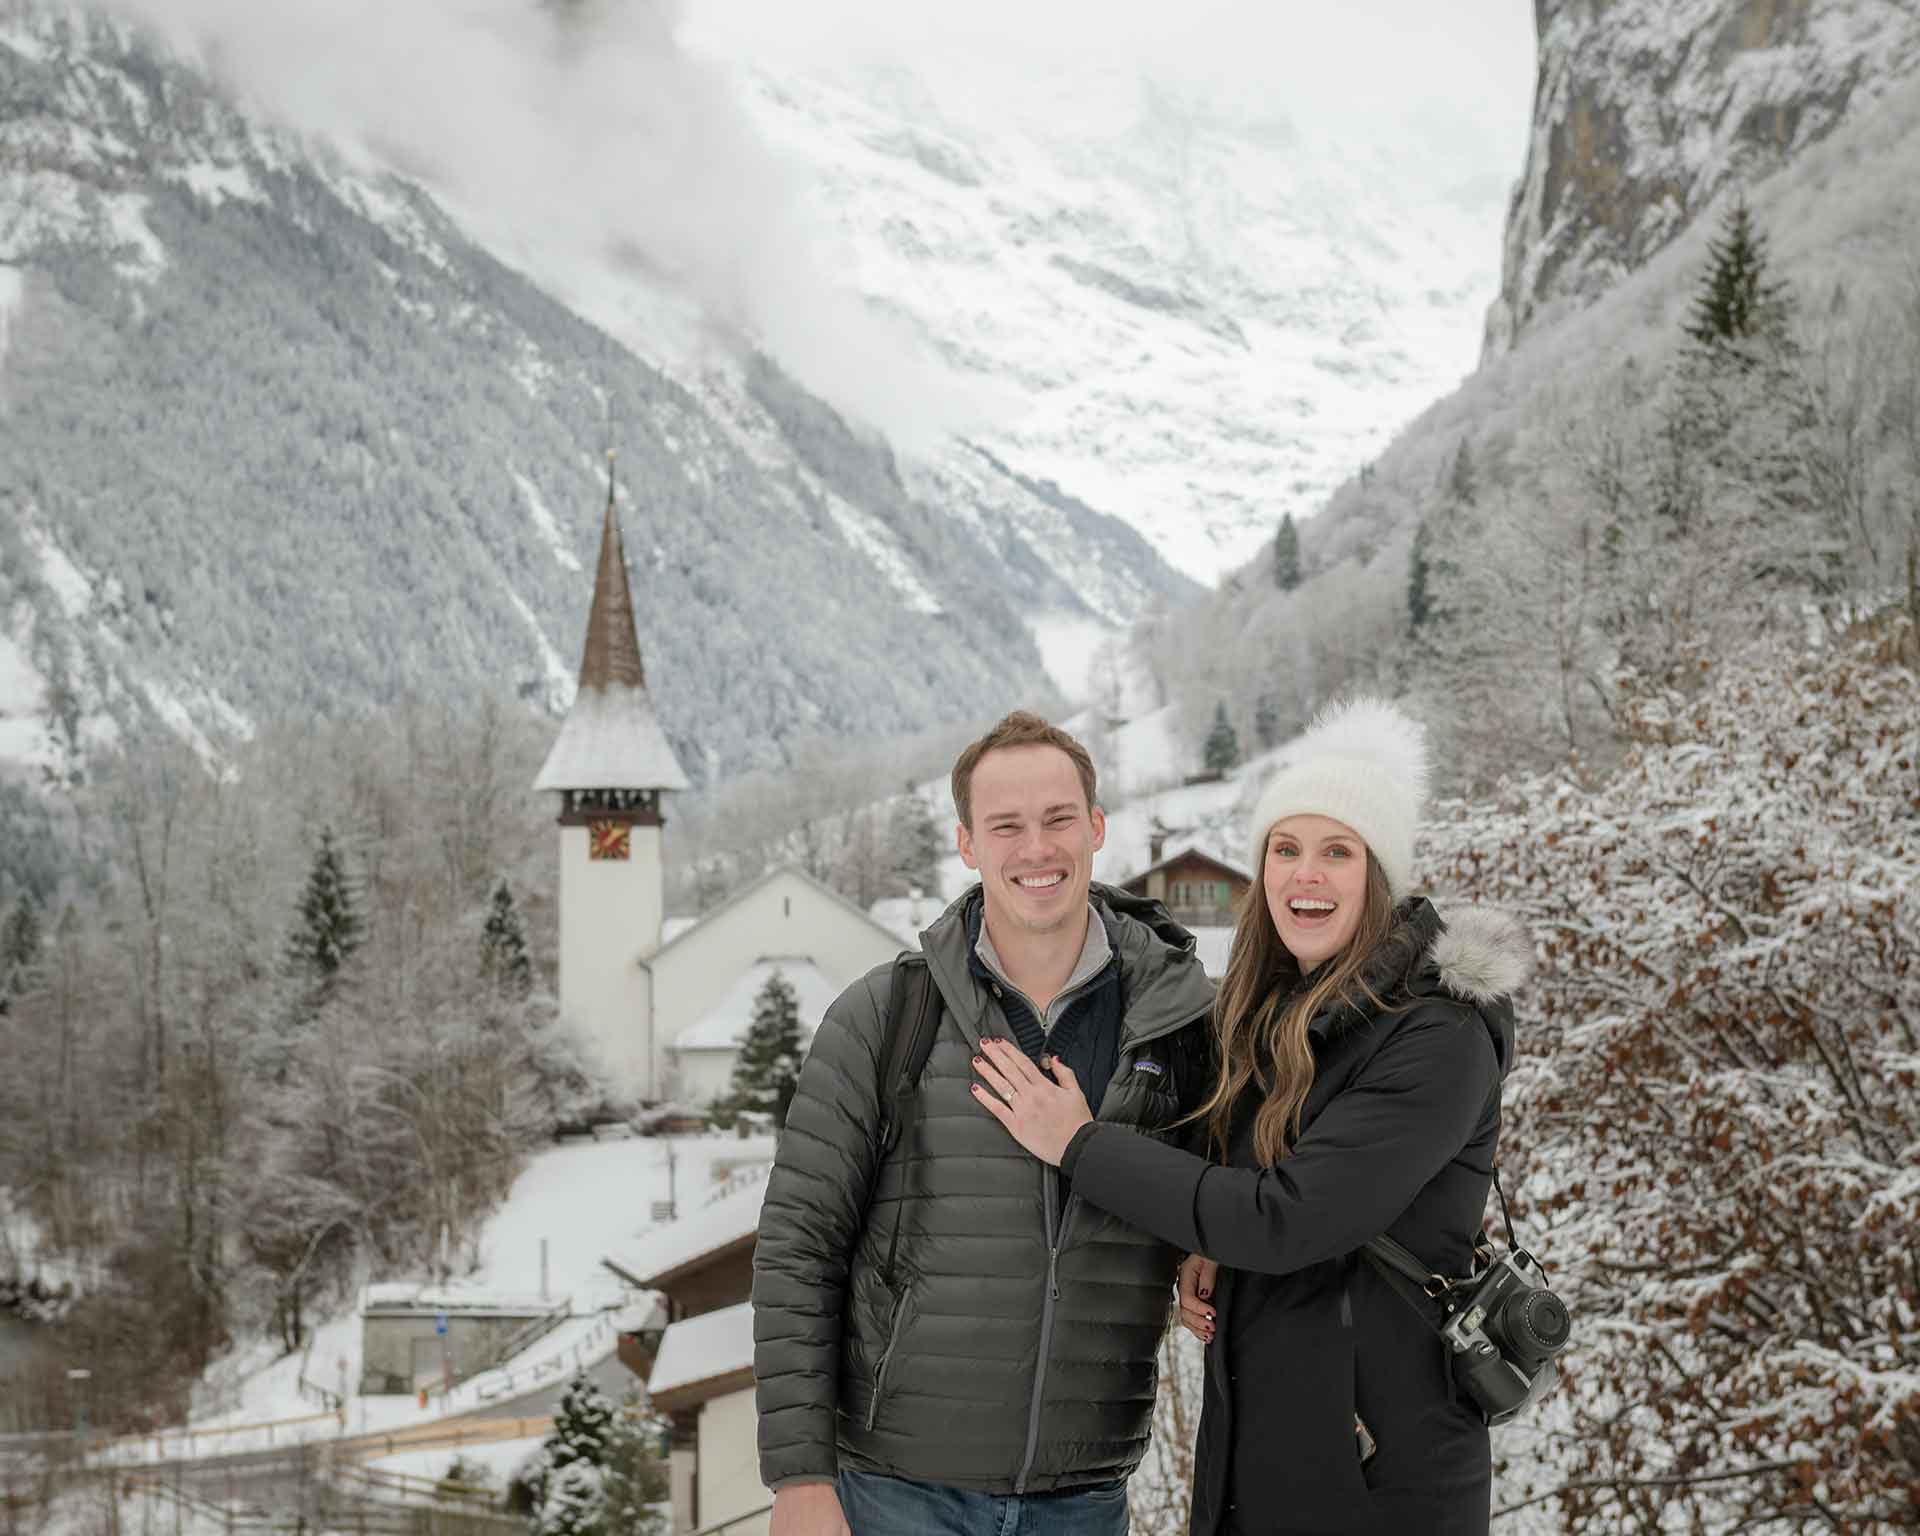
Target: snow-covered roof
(1180,849)
(648,1312)
(419,1297)
(611,740)
(723,1026)
(792,871)
(659,1254)
(673,927)
(905,916)
(702,1348)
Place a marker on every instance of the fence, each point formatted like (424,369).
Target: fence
(358,1518)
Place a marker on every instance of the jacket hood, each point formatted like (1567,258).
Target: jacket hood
(1161,978)
(1476,955)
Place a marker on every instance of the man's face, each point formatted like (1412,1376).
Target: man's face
(1033,838)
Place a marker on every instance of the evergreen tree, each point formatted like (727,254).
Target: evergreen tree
(328,928)
(1419,577)
(503,947)
(916,844)
(1266,721)
(768,1069)
(1463,480)
(1222,749)
(19,951)
(1286,555)
(569,1492)
(1736,301)
(637,1484)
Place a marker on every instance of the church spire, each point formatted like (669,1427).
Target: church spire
(611,744)
(612,654)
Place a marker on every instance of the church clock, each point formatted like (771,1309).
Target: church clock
(609,840)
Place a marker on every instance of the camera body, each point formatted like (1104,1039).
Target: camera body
(1502,1336)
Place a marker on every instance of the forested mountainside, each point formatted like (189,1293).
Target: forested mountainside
(1646,109)
(277,439)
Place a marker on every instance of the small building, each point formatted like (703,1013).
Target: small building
(415,1336)
(701,1378)
(707,1049)
(1199,889)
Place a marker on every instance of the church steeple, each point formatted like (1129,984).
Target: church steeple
(610,767)
(611,748)
(613,648)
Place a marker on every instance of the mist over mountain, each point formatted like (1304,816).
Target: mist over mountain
(279,438)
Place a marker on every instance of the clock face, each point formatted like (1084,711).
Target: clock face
(609,840)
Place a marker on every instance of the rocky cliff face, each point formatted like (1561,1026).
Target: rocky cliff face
(1645,110)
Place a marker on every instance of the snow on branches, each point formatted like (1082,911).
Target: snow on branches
(1716,1111)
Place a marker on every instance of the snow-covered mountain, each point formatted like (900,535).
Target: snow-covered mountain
(1189,311)
(277,436)
(1646,109)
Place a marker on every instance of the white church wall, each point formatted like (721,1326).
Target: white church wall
(786,914)
(610,912)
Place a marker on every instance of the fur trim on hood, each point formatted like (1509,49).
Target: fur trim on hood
(1484,953)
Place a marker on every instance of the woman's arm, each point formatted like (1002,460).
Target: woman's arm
(1367,1154)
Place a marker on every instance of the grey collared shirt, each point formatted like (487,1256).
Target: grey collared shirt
(1095,951)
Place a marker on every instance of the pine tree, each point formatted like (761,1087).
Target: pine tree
(328,928)
(637,1483)
(1419,577)
(1736,301)
(1286,555)
(1222,750)
(1463,480)
(1266,721)
(503,947)
(768,1069)
(19,951)
(569,1493)
(915,843)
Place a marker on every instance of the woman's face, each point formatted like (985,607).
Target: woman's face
(1316,883)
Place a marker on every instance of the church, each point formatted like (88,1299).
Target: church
(667,1001)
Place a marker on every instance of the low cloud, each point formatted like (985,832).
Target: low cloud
(584,144)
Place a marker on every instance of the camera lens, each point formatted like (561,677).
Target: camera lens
(1534,1326)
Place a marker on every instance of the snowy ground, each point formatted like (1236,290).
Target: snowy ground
(581,1198)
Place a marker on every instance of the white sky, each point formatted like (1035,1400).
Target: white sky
(595,143)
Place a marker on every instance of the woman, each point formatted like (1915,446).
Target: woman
(1362,1041)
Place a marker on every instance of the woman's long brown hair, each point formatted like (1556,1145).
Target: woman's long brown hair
(1261,1014)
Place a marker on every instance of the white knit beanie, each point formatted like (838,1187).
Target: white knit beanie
(1364,763)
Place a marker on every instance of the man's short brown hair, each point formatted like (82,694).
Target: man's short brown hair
(1019,729)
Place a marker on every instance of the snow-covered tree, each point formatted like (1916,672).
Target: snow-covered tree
(1737,299)
(19,949)
(916,844)
(327,928)
(504,964)
(1222,750)
(767,1071)
(1286,554)
(1710,1127)
(569,1486)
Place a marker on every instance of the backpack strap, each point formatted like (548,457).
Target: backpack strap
(913,1019)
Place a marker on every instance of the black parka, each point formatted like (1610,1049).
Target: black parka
(1398,1137)
(1014,1350)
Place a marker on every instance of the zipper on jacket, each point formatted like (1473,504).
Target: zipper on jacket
(1050,1196)
(886,1355)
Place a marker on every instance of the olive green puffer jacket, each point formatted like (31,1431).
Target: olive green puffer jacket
(1015,1351)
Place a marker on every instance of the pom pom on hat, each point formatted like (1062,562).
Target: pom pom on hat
(1363,762)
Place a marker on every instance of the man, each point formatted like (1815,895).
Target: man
(946,1333)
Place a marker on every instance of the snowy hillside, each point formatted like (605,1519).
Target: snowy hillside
(1193,314)
(276,436)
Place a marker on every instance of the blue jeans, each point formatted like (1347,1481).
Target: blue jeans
(895,1506)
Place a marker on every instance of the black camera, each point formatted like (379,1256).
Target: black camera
(1504,1334)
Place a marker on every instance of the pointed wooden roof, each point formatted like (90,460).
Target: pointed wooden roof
(611,738)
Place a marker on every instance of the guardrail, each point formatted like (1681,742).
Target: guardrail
(186,1436)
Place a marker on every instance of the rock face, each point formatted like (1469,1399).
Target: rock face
(1645,110)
